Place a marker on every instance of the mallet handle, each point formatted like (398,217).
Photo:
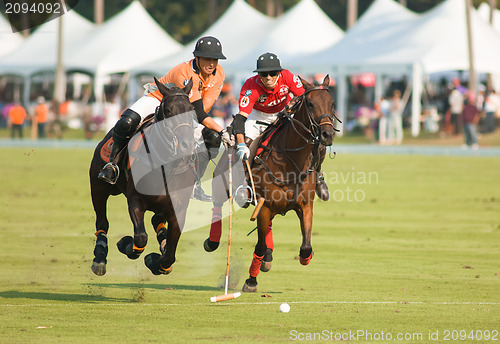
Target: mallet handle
(256,211)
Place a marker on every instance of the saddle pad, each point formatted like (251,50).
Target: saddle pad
(106,150)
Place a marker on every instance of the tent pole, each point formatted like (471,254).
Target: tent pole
(472,71)
(341,101)
(416,105)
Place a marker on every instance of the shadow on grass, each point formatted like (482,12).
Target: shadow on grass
(82,298)
(153,286)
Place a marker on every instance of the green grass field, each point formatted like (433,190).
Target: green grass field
(408,247)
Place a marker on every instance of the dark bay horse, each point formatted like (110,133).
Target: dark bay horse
(285,173)
(156,174)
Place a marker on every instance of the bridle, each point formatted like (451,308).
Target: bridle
(314,128)
(166,114)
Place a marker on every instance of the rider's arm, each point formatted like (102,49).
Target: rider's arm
(203,118)
(239,126)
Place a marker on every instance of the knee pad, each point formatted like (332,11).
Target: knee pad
(127,124)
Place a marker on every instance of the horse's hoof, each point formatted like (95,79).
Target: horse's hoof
(249,287)
(210,246)
(152,261)
(267,261)
(126,246)
(99,268)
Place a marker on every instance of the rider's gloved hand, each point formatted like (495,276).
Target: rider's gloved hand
(242,151)
(226,137)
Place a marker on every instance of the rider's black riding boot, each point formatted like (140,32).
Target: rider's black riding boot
(212,144)
(122,132)
(321,187)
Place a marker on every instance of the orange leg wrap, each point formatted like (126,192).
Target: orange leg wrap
(255,267)
(100,231)
(160,226)
(138,249)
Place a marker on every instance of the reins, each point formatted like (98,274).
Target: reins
(313,130)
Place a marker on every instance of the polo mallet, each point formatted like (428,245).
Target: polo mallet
(227,296)
(258,205)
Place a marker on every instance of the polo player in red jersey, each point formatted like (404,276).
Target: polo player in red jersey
(262,98)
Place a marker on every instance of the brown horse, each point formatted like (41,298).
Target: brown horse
(157,174)
(285,173)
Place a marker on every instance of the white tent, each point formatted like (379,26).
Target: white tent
(484,13)
(377,32)
(410,44)
(130,38)
(303,29)
(39,51)
(9,41)
(239,30)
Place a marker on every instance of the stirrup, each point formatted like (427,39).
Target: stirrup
(104,177)
(240,196)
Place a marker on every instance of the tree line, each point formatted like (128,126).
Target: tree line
(184,20)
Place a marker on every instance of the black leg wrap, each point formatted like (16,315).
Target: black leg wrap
(126,246)
(101,248)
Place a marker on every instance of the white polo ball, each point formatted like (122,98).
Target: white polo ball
(284,308)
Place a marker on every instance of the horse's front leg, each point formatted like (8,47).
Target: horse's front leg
(305,215)
(265,216)
(99,201)
(162,264)
(133,247)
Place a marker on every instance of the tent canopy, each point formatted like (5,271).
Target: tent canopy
(303,29)
(484,13)
(239,30)
(130,38)
(390,39)
(9,41)
(39,50)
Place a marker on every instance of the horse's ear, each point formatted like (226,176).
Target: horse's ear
(304,82)
(162,88)
(188,86)
(326,81)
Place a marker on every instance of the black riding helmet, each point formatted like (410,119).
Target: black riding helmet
(209,47)
(268,62)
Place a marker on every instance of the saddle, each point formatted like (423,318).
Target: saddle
(261,142)
(106,148)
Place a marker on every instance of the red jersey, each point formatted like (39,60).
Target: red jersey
(254,95)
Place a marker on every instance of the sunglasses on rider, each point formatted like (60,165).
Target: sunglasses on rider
(265,74)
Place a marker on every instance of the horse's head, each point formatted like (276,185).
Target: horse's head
(320,110)
(175,117)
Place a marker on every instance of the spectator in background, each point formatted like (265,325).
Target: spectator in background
(456,101)
(54,121)
(396,118)
(491,108)
(17,115)
(470,116)
(383,108)
(41,117)
(225,106)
